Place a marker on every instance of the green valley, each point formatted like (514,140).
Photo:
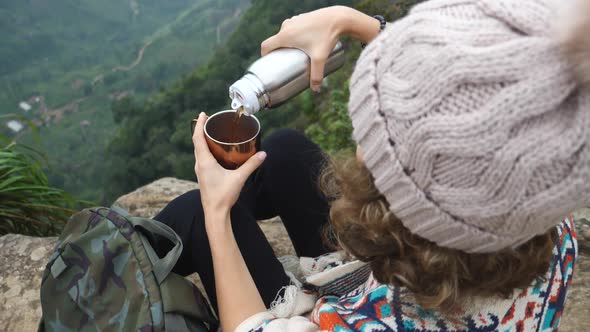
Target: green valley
(70,60)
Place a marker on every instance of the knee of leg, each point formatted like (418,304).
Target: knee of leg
(286,140)
(185,216)
(281,146)
(183,207)
(187,201)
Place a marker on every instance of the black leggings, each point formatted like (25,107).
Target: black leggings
(285,185)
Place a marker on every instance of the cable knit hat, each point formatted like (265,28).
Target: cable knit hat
(473,117)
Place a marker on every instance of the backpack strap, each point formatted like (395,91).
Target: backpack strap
(161,266)
(120,210)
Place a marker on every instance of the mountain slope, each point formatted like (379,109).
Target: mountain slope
(45,42)
(78,57)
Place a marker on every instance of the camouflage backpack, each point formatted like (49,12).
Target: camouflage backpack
(105,276)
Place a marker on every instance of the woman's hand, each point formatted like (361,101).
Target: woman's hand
(220,188)
(317,32)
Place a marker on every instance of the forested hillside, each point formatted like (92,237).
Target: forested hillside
(154,137)
(70,60)
(112,85)
(48,45)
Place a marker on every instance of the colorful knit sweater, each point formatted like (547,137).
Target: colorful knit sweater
(376,307)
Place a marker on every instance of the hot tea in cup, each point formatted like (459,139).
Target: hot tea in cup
(232,138)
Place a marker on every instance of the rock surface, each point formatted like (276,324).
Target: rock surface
(582,218)
(22,260)
(148,200)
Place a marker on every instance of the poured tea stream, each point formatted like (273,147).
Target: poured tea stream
(234,127)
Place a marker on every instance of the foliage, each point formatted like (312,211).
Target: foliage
(333,130)
(28,205)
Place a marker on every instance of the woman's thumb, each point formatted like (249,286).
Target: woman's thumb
(252,164)
(317,73)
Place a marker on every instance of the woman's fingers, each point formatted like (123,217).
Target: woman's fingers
(270,45)
(317,73)
(202,153)
(251,165)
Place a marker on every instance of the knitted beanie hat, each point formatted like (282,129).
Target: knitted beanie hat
(473,117)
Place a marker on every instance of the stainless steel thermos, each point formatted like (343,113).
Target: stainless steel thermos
(275,78)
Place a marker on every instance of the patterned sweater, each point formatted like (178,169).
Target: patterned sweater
(376,307)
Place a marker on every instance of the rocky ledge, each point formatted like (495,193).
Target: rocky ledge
(22,260)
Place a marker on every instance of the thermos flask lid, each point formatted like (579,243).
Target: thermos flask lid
(243,94)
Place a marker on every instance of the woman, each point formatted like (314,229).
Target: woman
(471,118)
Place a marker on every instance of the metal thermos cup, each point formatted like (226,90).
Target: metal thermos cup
(231,142)
(275,78)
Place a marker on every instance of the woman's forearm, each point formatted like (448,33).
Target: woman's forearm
(356,24)
(237,295)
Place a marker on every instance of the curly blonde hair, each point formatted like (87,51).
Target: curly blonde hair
(440,278)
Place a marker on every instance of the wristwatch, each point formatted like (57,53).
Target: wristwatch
(382,23)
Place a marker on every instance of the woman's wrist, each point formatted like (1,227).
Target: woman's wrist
(341,17)
(217,221)
(353,23)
